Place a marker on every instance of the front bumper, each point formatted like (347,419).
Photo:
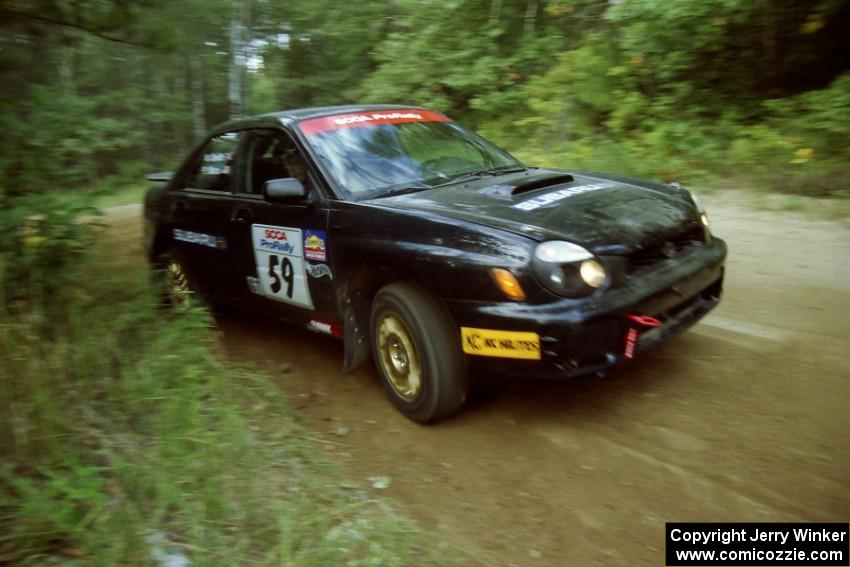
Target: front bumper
(582,336)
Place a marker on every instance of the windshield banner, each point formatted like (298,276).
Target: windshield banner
(376,117)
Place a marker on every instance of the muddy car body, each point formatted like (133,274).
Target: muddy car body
(420,243)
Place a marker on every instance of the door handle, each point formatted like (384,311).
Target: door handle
(241,215)
(179,207)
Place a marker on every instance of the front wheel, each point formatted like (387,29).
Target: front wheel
(175,286)
(416,348)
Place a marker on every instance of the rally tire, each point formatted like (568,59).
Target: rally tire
(417,352)
(176,289)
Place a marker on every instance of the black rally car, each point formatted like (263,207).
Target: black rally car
(415,240)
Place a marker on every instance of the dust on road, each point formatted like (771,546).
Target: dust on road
(744,418)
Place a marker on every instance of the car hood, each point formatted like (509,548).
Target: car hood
(598,211)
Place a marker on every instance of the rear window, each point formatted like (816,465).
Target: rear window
(213,167)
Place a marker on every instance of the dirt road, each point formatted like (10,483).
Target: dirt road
(744,418)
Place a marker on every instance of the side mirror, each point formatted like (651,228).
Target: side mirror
(160,176)
(286,189)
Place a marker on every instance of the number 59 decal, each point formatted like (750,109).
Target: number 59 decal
(279,254)
(286,272)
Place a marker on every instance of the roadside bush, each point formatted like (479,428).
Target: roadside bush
(127,173)
(603,120)
(802,146)
(55,140)
(127,439)
(42,246)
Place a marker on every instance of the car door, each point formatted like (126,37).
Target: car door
(199,205)
(287,268)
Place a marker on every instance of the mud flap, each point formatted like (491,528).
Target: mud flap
(356,345)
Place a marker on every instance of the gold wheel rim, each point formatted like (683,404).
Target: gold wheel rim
(399,358)
(177,283)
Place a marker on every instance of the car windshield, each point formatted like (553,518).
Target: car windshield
(370,154)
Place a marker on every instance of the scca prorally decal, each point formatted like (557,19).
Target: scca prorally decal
(275,240)
(200,238)
(279,257)
(377,117)
(315,247)
(355,120)
(319,270)
(559,195)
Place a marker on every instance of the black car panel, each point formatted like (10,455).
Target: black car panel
(590,211)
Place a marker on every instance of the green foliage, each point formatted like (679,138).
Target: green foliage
(120,21)
(128,173)
(672,89)
(801,145)
(42,242)
(59,141)
(316,52)
(466,58)
(628,101)
(124,434)
(129,194)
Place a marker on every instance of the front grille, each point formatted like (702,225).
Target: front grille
(670,248)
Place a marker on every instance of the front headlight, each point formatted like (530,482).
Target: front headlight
(703,216)
(567,269)
(592,272)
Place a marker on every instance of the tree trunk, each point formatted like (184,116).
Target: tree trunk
(234,79)
(495,11)
(239,27)
(530,16)
(197,94)
(768,43)
(65,66)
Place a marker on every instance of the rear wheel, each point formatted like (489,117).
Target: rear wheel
(416,348)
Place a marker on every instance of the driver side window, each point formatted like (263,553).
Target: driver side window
(272,155)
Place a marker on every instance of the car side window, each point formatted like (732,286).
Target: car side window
(213,167)
(272,155)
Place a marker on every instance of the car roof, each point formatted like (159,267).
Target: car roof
(316,111)
(298,114)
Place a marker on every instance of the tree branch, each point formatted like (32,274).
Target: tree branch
(94,32)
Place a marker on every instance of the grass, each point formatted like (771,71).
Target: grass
(126,438)
(123,195)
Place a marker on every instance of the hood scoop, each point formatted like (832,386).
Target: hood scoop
(541,183)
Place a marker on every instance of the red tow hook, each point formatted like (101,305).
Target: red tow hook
(638,322)
(644,320)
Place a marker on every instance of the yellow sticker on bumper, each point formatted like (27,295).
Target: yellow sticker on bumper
(501,344)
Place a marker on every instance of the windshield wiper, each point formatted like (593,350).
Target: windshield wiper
(403,190)
(503,169)
(484,172)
